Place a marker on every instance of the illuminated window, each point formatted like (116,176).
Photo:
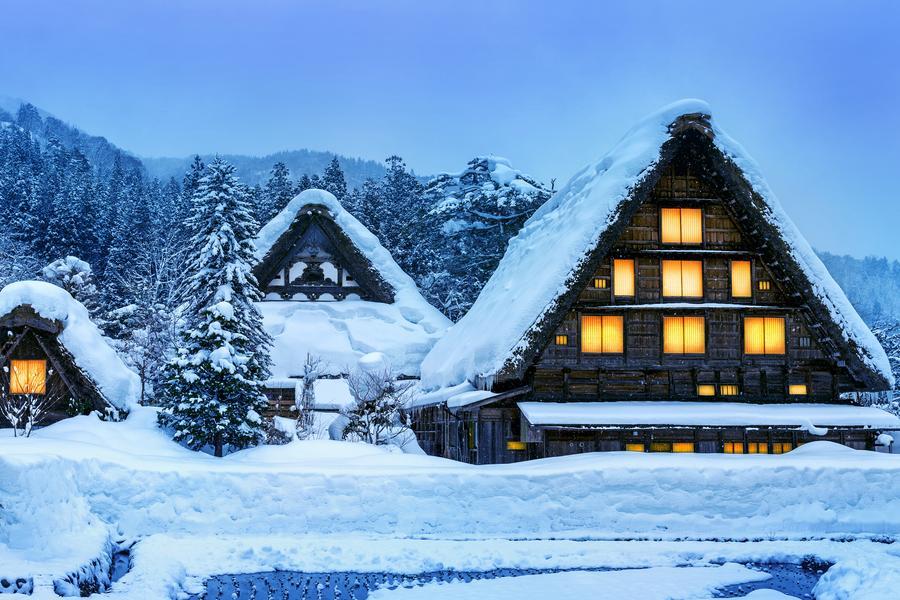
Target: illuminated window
(635,447)
(757,448)
(660,446)
(728,389)
(683,447)
(684,335)
(603,334)
(623,277)
(733,448)
(765,285)
(599,283)
(562,340)
(682,278)
(797,389)
(741,286)
(706,389)
(682,226)
(28,377)
(515,445)
(764,335)
(781,447)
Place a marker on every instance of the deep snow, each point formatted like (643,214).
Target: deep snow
(324,506)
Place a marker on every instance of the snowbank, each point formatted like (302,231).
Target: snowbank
(93,355)
(554,243)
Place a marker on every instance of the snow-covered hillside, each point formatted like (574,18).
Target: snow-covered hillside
(79,485)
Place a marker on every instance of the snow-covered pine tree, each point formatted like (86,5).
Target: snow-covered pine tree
(277,193)
(75,276)
(333,180)
(213,383)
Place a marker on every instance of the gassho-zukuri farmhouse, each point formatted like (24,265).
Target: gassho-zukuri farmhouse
(660,301)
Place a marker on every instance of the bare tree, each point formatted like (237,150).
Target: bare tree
(377,414)
(306,401)
(29,406)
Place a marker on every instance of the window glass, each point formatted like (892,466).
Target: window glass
(741,285)
(706,389)
(682,278)
(603,334)
(764,335)
(28,377)
(623,277)
(681,226)
(798,389)
(684,335)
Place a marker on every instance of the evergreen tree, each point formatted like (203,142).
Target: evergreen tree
(303,184)
(213,384)
(333,180)
(277,193)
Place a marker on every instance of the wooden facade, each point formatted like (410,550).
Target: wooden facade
(690,296)
(30,339)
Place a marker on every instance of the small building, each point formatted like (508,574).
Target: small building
(50,349)
(661,301)
(334,293)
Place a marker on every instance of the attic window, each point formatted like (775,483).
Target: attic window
(797,389)
(804,341)
(603,334)
(684,335)
(765,285)
(623,277)
(764,335)
(682,278)
(28,377)
(562,339)
(741,285)
(599,283)
(681,226)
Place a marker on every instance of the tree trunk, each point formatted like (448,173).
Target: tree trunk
(217,442)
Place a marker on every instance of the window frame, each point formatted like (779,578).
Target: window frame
(782,356)
(731,295)
(682,297)
(662,335)
(580,333)
(679,207)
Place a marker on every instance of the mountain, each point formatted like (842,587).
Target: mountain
(254,170)
(99,151)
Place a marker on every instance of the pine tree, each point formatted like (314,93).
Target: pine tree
(212,387)
(277,193)
(333,180)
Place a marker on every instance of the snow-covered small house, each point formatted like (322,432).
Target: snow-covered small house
(51,351)
(334,293)
(660,301)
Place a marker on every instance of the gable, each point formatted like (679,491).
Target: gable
(314,260)
(561,247)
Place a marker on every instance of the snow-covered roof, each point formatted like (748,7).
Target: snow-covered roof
(341,332)
(79,336)
(711,414)
(543,260)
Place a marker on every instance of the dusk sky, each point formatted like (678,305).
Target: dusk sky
(812,90)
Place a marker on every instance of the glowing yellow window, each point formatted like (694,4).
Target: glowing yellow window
(635,447)
(733,448)
(623,277)
(706,389)
(28,377)
(728,389)
(682,226)
(682,278)
(660,446)
(599,283)
(683,447)
(741,286)
(515,445)
(603,334)
(781,447)
(757,448)
(765,285)
(797,389)
(562,340)
(764,335)
(684,335)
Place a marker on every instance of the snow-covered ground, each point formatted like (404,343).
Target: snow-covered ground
(77,486)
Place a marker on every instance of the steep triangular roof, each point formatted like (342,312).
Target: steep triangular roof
(73,339)
(556,252)
(393,318)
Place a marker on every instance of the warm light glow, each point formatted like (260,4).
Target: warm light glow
(706,389)
(623,277)
(733,448)
(727,389)
(684,335)
(515,445)
(757,448)
(599,283)
(781,447)
(683,447)
(660,446)
(28,377)
(797,389)
(635,447)
(562,340)
(682,278)
(681,226)
(603,334)
(741,284)
(764,335)
(765,285)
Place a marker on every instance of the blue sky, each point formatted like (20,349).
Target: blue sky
(811,89)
